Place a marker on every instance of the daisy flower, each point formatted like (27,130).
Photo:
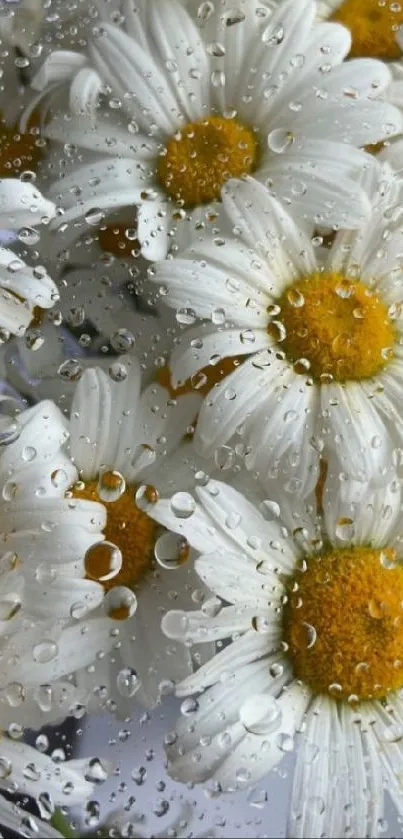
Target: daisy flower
(125,443)
(173,107)
(22,288)
(306,615)
(316,336)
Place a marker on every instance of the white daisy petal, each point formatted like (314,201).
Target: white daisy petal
(280,434)
(179,47)
(318,796)
(198,530)
(64,598)
(32,284)
(126,69)
(21,204)
(202,346)
(153,220)
(370,514)
(247,648)
(90,422)
(58,67)
(84,92)
(219,706)
(358,435)
(202,287)
(262,61)
(197,628)
(243,524)
(68,653)
(256,756)
(244,391)
(364,776)
(64,782)
(266,227)
(227,581)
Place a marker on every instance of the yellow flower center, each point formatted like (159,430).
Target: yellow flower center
(127,527)
(373,25)
(344,623)
(331,327)
(19,152)
(203,155)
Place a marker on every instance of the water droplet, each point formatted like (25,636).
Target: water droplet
(345,529)
(127,682)
(71,370)
(280,140)
(120,603)
(96,772)
(183,505)
(102,561)
(94,216)
(111,485)
(28,453)
(44,651)
(260,714)
(171,550)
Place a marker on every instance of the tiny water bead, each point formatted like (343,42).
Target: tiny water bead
(331,327)
(373,25)
(343,623)
(129,528)
(200,158)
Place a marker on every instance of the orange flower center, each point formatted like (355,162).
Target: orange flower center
(373,25)
(200,158)
(344,623)
(129,528)
(331,327)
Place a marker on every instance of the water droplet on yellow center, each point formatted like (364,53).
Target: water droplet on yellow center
(127,527)
(373,25)
(339,326)
(203,156)
(344,623)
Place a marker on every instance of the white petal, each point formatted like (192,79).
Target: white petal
(178,42)
(203,346)
(249,647)
(243,524)
(257,755)
(90,422)
(60,66)
(153,220)
(21,204)
(78,646)
(64,782)
(354,431)
(128,68)
(267,227)
(371,512)
(229,403)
